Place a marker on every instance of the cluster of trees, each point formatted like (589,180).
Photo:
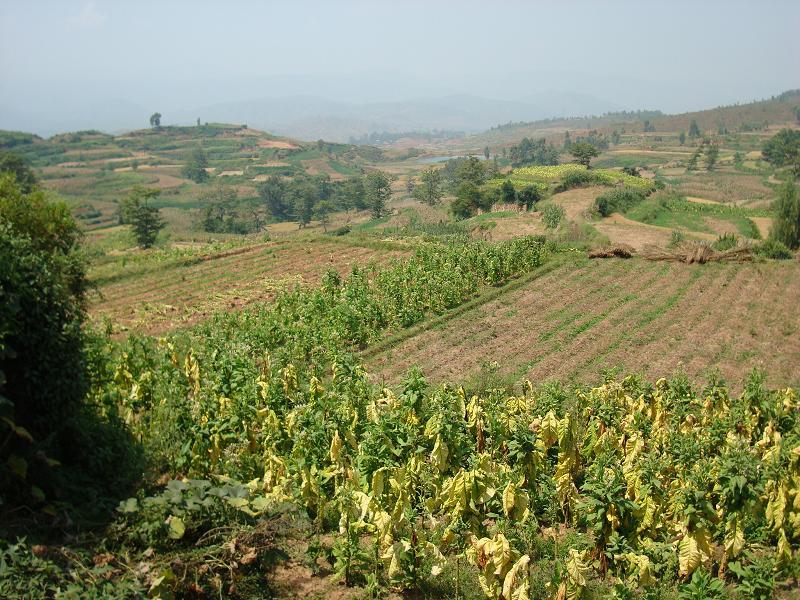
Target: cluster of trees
(429,189)
(525,198)
(465,169)
(694,130)
(711,152)
(533,152)
(13,164)
(304,198)
(593,137)
(783,150)
(463,177)
(222,212)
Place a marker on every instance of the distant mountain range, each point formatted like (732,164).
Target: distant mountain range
(312,117)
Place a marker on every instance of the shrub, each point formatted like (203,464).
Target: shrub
(772,248)
(575,179)
(528,197)
(42,313)
(618,200)
(44,378)
(724,242)
(786,227)
(552,215)
(676,238)
(340,231)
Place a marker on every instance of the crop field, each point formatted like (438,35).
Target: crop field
(647,317)
(154,296)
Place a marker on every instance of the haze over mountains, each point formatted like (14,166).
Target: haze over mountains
(316,69)
(307,108)
(313,117)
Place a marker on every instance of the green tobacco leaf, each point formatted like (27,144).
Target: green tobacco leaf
(131,505)
(18,465)
(37,493)
(176,528)
(260,503)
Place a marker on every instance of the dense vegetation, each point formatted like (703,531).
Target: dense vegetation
(57,446)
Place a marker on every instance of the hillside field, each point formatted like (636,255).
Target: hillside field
(158,294)
(585,316)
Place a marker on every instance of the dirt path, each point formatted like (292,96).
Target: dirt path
(578,201)
(764,224)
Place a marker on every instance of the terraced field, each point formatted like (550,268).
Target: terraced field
(586,316)
(154,298)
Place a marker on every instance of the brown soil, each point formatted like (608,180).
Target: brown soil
(169,181)
(180,295)
(720,226)
(764,224)
(642,316)
(578,201)
(320,166)
(276,144)
(519,225)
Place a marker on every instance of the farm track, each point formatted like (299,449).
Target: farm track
(182,294)
(644,317)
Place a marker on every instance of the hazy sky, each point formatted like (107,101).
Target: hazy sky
(65,55)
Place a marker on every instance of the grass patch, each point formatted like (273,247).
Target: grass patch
(673,211)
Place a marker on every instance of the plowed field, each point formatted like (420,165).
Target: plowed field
(646,317)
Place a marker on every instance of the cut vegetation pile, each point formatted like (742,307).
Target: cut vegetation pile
(613,251)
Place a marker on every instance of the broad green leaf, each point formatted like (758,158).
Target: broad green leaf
(131,505)
(176,528)
(18,466)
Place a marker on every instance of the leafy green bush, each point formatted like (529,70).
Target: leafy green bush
(340,231)
(573,179)
(786,227)
(676,238)
(726,241)
(618,200)
(757,579)
(37,573)
(552,215)
(42,312)
(703,586)
(55,444)
(771,248)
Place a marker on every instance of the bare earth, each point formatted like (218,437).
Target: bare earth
(179,295)
(642,316)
